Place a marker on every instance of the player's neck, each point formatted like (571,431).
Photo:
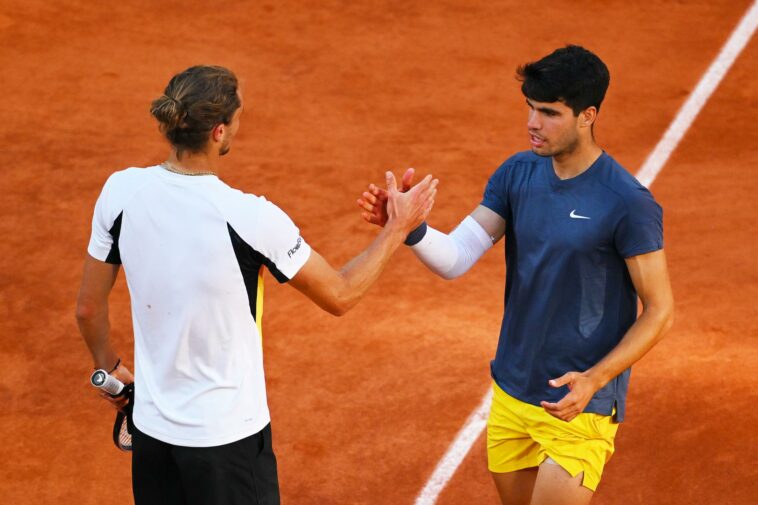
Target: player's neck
(569,165)
(194,163)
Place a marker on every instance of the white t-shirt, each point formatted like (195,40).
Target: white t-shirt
(192,249)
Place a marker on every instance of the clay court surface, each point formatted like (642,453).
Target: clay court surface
(363,407)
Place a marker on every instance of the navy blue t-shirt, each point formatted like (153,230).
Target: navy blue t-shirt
(569,298)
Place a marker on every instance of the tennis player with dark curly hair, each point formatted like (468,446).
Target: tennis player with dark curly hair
(583,239)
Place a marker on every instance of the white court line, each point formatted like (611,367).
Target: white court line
(456,452)
(647,174)
(697,99)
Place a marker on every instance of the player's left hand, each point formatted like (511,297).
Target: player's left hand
(581,390)
(374,201)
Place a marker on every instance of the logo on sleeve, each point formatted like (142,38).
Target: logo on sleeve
(294,249)
(573,215)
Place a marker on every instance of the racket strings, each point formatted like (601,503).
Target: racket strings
(123,427)
(124,437)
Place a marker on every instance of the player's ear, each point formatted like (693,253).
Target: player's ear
(587,117)
(217,134)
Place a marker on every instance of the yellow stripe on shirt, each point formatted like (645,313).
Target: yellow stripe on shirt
(259,304)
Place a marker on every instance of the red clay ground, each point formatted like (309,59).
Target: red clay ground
(363,407)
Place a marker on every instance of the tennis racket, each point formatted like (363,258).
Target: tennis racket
(123,427)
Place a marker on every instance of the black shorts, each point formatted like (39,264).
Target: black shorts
(243,472)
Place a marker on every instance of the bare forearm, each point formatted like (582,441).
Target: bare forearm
(94,327)
(92,310)
(338,291)
(639,339)
(362,271)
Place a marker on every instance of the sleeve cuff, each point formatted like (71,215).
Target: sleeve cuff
(293,269)
(416,235)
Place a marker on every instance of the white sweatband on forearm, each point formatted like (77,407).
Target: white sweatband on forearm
(450,256)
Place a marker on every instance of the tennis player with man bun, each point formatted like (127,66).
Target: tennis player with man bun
(193,250)
(583,240)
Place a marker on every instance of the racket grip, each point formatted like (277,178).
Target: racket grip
(111,385)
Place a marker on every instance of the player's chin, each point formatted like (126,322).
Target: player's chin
(542,151)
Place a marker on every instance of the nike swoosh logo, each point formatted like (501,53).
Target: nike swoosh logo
(577,216)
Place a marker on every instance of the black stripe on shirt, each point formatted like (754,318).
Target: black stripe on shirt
(250,262)
(114,255)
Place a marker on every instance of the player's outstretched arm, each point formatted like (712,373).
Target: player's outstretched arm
(338,291)
(448,255)
(650,277)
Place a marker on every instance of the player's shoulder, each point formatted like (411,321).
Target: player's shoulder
(254,218)
(617,180)
(248,210)
(123,184)
(518,165)
(236,200)
(523,160)
(127,177)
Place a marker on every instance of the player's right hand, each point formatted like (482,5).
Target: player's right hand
(407,210)
(374,201)
(125,376)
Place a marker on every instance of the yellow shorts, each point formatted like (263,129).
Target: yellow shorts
(521,435)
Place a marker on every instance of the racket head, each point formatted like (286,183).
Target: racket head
(123,427)
(121,436)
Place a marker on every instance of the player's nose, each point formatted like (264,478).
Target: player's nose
(533,122)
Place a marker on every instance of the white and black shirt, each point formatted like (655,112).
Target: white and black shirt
(192,249)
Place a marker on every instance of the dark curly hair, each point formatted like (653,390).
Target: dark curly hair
(572,75)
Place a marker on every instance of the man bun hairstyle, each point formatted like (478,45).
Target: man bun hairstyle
(193,103)
(572,75)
